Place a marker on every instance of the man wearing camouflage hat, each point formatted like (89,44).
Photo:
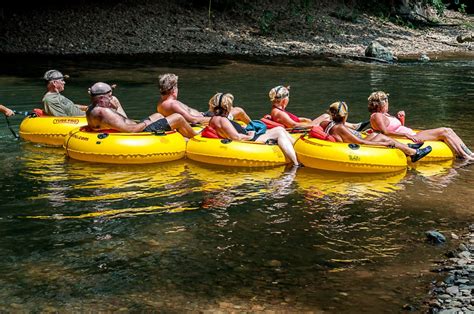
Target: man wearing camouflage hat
(56,104)
(100,89)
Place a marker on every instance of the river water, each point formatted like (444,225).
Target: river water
(184,236)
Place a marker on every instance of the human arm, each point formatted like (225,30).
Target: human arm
(283,118)
(82,107)
(57,105)
(305,120)
(401,116)
(169,107)
(225,128)
(6,111)
(110,119)
(347,136)
(379,123)
(118,106)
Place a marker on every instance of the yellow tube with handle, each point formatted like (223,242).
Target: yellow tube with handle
(49,130)
(124,148)
(234,153)
(345,157)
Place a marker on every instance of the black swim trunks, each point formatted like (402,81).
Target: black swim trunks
(161,125)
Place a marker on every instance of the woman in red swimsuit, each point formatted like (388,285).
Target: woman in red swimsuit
(383,122)
(280,97)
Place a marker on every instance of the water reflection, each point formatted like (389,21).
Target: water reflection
(346,187)
(223,187)
(97,190)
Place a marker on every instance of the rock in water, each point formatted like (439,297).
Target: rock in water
(423,57)
(435,237)
(376,50)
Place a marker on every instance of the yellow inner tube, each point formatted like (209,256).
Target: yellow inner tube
(49,130)
(234,153)
(124,148)
(344,157)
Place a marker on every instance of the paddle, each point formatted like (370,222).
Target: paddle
(10,127)
(21,113)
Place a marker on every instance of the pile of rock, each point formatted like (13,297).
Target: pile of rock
(455,294)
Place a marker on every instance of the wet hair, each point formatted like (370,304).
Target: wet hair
(338,111)
(167,82)
(279,92)
(376,101)
(221,104)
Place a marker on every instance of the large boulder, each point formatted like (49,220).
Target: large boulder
(376,50)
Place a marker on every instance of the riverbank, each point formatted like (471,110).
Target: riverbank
(139,27)
(453,294)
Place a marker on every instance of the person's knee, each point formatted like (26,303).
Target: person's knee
(177,118)
(445,132)
(238,112)
(279,131)
(156,116)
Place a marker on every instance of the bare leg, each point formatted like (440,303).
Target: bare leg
(377,137)
(284,142)
(240,114)
(449,137)
(176,121)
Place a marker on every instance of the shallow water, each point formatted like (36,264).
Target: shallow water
(187,236)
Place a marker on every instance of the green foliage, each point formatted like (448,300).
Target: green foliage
(438,5)
(462,8)
(302,7)
(267,22)
(346,14)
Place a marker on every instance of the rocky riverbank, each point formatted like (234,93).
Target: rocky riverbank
(454,294)
(247,29)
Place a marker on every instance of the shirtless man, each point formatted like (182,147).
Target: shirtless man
(100,88)
(104,114)
(169,103)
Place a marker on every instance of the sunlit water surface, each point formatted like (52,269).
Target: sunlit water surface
(187,236)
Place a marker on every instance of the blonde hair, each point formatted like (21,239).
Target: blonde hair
(338,111)
(167,82)
(375,101)
(279,92)
(221,104)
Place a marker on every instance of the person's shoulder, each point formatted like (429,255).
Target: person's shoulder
(220,120)
(377,114)
(51,96)
(167,103)
(324,124)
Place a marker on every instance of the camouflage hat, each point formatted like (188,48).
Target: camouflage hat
(99,88)
(53,75)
